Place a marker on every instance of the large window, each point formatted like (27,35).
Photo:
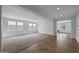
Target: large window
(19,26)
(34,26)
(15,26)
(30,26)
(11,25)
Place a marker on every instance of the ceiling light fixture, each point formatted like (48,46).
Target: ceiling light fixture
(58,8)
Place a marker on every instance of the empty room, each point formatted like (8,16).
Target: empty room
(40,28)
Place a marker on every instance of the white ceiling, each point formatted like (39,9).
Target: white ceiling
(50,11)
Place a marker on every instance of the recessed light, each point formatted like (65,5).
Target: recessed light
(58,8)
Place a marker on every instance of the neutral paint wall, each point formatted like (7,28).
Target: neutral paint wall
(55,27)
(16,12)
(73,26)
(0,28)
(77,28)
(46,27)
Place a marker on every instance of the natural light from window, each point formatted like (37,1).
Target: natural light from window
(11,23)
(30,24)
(20,23)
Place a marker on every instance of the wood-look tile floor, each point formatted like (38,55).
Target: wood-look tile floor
(42,43)
(66,44)
(62,44)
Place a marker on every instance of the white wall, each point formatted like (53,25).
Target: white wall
(46,27)
(16,12)
(77,28)
(73,26)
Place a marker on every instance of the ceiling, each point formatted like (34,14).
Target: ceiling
(50,11)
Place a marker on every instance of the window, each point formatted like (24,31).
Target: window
(20,23)
(19,26)
(34,25)
(30,26)
(11,25)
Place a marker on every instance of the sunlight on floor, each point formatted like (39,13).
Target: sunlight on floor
(62,40)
